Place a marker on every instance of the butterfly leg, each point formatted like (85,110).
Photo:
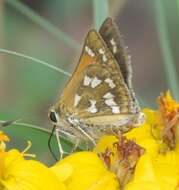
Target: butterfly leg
(62,152)
(76,144)
(87,146)
(87,135)
(74,139)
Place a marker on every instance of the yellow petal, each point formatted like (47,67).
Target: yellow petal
(143,185)
(83,159)
(21,174)
(106,141)
(140,133)
(63,171)
(151,116)
(2,158)
(86,172)
(2,146)
(3,137)
(167,169)
(144,170)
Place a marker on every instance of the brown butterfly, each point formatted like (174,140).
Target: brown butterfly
(98,99)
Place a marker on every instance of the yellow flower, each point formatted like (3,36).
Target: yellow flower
(145,158)
(158,167)
(85,171)
(3,137)
(167,104)
(17,173)
(120,156)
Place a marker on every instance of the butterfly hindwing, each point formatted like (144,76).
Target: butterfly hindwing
(114,41)
(97,86)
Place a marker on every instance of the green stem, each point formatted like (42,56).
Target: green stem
(35,60)
(42,129)
(168,60)
(33,127)
(177,1)
(43,23)
(100,8)
(28,125)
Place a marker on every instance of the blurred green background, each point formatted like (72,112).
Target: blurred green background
(54,31)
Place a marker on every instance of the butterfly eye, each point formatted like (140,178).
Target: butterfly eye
(53,116)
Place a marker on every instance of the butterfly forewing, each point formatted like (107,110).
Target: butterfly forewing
(97,87)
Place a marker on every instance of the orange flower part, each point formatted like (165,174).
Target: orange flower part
(3,137)
(122,159)
(168,107)
(169,112)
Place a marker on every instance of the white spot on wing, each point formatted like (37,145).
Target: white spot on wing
(114,49)
(92,108)
(104,58)
(110,102)
(115,109)
(108,95)
(76,100)
(102,52)
(129,58)
(95,82)
(87,81)
(110,82)
(113,43)
(89,51)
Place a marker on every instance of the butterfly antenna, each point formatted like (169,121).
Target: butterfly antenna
(49,143)
(8,122)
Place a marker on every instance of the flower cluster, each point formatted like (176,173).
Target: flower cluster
(83,170)
(143,158)
(154,150)
(122,159)
(17,173)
